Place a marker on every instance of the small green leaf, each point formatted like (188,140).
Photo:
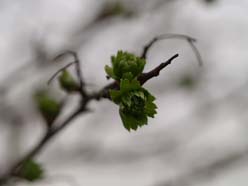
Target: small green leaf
(150,109)
(132,122)
(109,71)
(136,104)
(128,121)
(67,82)
(31,171)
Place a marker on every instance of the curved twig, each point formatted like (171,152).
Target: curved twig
(189,39)
(78,70)
(77,62)
(60,70)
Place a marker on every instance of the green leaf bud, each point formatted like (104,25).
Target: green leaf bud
(31,171)
(48,107)
(125,66)
(67,82)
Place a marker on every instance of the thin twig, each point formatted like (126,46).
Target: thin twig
(78,70)
(60,70)
(189,39)
(196,52)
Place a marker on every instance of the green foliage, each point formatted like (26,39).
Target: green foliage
(31,171)
(136,104)
(48,106)
(67,82)
(125,66)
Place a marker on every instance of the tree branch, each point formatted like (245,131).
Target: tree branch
(143,78)
(53,131)
(48,136)
(60,70)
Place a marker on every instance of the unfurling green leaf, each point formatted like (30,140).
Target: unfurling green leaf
(109,71)
(135,104)
(49,107)
(31,171)
(67,82)
(125,66)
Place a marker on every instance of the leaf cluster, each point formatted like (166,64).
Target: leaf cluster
(136,104)
(125,66)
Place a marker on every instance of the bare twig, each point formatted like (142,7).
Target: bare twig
(78,70)
(155,72)
(189,39)
(60,70)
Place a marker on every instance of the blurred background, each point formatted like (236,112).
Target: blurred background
(198,137)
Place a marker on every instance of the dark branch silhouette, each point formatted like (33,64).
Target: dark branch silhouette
(155,72)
